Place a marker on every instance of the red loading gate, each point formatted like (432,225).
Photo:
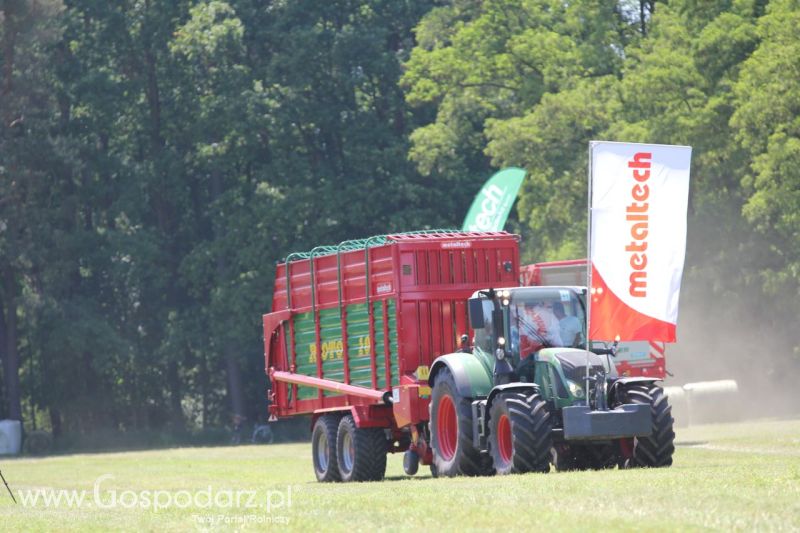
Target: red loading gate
(361,318)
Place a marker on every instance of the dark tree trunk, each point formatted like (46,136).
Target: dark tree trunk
(8,305)
(152,90)
(3,358)
(646,10)
(204,391)
(174,382)
(9,42)
(8,326)
(55,422)
(234,382)
(153,94)
(232,368)
(642,21)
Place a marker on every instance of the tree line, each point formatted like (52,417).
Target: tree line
(158,157)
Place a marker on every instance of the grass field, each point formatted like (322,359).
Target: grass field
(725,477)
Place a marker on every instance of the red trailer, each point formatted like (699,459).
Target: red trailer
(353,331)
(634,358)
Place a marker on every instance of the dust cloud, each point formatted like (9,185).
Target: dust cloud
(741,335)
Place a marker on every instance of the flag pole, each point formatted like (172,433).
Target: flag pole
(8,488)
(588,268)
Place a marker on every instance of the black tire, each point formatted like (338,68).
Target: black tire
(360,452)
(657,449)
(520,434)
(262,435)
(410,462)
(453,450)
(323,448)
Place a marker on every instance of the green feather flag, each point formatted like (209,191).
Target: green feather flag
(492,205)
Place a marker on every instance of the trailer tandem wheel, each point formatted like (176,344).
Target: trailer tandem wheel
(323,448)
(361,452)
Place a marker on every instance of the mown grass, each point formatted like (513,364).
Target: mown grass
(725,477)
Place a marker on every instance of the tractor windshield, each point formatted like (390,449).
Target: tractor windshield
(543,318)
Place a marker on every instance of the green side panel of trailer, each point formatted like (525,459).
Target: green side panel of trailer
(358,346)
(380,342)
(305,348)
(330,339)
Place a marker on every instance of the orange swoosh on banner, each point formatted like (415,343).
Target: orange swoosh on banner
(612,317)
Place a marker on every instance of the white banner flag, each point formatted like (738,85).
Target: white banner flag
(638,202)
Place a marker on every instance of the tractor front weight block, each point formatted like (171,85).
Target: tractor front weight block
(628,420)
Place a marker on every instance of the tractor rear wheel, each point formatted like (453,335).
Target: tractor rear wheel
(657,449)
(520,433)
(360,452)
(451,432)
(323,448)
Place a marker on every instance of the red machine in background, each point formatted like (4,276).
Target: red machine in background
(635,358)
(354,329)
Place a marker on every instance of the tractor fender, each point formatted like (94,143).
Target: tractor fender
(612,391)
(472,379)
(517,387)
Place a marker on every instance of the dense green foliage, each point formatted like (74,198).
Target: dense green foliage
(157,157)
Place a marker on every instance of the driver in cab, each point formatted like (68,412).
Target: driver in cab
(539,327)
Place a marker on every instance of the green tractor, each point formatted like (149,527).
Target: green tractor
(521,398)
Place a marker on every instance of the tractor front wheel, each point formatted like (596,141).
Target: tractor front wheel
(520,436)
(451,432)
(657,449)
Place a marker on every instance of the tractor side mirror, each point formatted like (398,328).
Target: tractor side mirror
(476,318)
(497,321)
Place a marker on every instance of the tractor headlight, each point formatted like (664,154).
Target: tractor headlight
(500,353)
(575,389)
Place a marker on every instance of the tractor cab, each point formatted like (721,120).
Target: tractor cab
(518,326)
